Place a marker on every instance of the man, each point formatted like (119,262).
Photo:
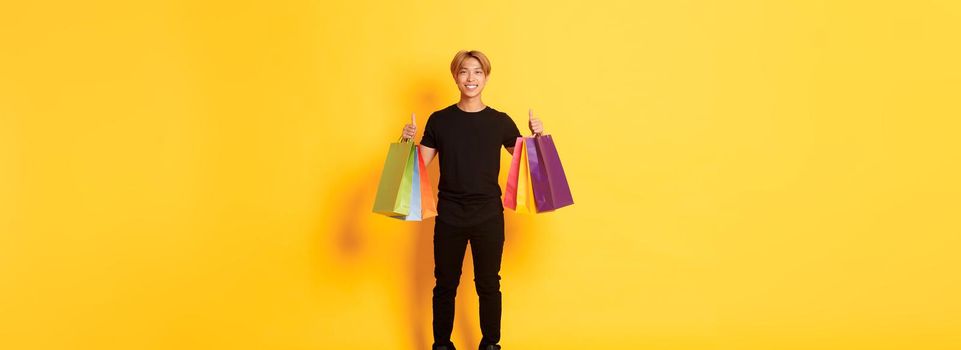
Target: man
(468,136)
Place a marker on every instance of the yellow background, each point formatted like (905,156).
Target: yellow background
(747,174)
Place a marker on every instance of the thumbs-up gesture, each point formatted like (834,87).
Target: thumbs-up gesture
(537,127)
(410,129)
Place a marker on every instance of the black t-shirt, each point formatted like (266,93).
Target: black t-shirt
(469,146)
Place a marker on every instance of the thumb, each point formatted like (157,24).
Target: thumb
(530,113)
(413,119)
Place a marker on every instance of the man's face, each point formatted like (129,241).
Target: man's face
(470,78)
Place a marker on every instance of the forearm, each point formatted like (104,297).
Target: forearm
(427,154)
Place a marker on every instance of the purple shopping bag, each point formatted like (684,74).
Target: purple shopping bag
(538,173)
(556,193)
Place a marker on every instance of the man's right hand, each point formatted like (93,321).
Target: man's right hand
(410,129)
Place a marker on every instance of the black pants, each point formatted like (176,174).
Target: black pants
(487,247)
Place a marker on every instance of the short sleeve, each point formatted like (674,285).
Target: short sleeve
(511,133)
(429,139)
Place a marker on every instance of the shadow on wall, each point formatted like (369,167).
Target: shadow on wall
(355,226)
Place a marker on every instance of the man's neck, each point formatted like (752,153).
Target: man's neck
(471,104)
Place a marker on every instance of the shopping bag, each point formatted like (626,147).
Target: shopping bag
(510,189)
(394,190)
(538,173)
(553,192)
(428,204)
(525,194)
(415,213)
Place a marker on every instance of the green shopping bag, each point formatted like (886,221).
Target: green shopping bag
(396,180)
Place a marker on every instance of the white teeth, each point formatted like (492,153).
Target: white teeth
(471,86)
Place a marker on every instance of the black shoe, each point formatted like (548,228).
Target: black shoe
(490,347)
(444,347)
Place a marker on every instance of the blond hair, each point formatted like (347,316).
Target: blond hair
(463,55)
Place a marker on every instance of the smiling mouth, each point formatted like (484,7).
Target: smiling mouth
(471,86)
